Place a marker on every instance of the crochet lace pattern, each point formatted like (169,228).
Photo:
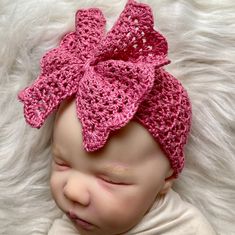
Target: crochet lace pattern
(115,77)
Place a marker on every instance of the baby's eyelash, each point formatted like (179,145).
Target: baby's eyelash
(62,165)
(112,181)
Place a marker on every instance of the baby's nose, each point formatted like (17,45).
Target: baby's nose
(76,190)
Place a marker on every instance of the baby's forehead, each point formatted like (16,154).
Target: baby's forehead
(129,144)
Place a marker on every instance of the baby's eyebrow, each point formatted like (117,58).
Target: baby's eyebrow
(117,170)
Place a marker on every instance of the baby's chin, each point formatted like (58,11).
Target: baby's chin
(97,232)
(101,231)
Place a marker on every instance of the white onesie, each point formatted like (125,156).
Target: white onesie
(169,215)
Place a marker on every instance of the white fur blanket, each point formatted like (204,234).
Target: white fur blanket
(201,39)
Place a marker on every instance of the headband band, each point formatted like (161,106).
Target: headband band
(115,77)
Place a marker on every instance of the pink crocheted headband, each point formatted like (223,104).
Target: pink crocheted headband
(115,77)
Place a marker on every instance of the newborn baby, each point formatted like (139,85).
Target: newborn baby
(124,188)
(119,136)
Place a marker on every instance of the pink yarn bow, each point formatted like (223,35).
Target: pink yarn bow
(110,75)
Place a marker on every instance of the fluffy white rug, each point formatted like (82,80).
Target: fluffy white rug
(201,38)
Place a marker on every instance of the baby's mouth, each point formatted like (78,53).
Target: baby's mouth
(79,222)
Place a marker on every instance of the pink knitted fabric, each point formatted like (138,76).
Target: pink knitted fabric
(115,77)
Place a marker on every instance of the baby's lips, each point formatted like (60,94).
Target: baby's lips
(73,216)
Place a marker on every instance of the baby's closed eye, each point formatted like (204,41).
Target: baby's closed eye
(60,165)
(112,181)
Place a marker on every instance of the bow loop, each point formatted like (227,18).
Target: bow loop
(62,68)
(108,97)
(134,39)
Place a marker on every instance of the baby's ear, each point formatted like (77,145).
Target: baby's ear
(168,183)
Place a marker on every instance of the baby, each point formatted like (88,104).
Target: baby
(125,186)
(120,131)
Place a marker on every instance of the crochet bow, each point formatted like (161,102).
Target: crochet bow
(110,75)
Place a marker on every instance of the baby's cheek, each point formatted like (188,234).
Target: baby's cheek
(55,185)
(120,212)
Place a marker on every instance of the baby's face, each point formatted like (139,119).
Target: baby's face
(111,189)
